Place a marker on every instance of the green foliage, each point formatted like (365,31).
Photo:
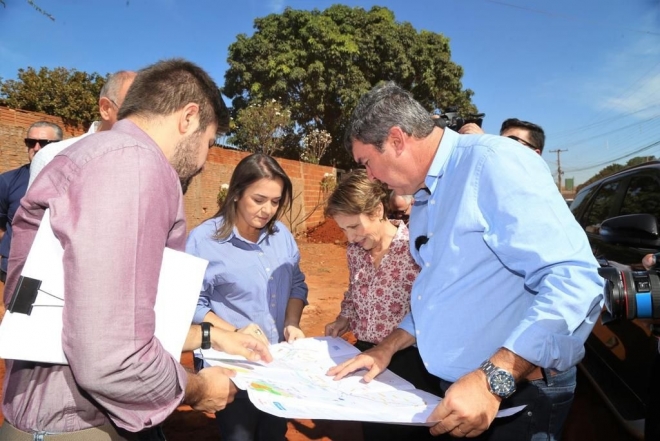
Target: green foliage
(261,127)
(67,93)
(319,63)
(614,168)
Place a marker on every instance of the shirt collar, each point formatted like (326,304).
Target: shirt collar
(447,144)
(94,127)
(235,235)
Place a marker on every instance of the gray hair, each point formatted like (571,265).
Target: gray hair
(58,130)
(383,107)
(113,84)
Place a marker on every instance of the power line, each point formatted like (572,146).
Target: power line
(611,161)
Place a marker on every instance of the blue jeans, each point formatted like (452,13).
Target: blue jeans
(548,401)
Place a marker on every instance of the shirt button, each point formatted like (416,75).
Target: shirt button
(417,331)
(426,364)
(272,304)
(261,254)
(432,202)
(427,264)
(430,234)
(419,297)
(270,278)
(267,269)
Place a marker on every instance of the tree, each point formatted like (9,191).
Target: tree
(614,168)
(315,143)
(69,94)
(261,127)
(318,65)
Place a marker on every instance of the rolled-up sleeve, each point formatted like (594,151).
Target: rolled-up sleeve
(532,232)
(114,224)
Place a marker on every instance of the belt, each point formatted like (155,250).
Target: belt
(106,432)
(540,373)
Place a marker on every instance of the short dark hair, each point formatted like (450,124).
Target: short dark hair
(249,170)
(383,107)
(168,85)
(535,131)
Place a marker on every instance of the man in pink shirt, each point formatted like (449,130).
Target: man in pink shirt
(116,202)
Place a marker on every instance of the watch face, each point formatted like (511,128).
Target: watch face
(502,383)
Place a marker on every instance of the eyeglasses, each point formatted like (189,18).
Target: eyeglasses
(523,142)
(31,143)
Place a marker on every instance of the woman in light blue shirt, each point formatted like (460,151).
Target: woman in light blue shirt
(253,282)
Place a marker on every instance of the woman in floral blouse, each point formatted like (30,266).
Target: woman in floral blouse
(382,272)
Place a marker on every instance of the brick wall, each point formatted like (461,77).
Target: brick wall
(13,128)
(200,200)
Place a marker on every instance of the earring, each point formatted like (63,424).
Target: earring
(235,199)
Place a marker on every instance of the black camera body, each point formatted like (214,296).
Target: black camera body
(452,119)
(630,294)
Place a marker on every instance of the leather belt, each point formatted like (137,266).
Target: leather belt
(106,432)
(537,374)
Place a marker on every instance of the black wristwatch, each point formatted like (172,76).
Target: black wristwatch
(500,382)
(206,335)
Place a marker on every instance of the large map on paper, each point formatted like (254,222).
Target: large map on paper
(295,385)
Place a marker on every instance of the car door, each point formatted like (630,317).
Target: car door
(623,348)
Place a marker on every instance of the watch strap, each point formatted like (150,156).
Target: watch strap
(206,335)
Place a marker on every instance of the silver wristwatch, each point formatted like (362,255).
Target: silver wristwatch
(500,382)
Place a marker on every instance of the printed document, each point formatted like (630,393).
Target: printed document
(295,385)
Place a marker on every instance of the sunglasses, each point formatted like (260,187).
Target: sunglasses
(522,141)
(31,143)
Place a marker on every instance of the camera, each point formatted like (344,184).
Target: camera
(452,119)
(630,294)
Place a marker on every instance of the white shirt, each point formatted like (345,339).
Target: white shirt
(45,155)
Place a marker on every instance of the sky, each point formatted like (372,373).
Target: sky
(587,71)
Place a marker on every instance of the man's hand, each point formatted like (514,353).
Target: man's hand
(471,129)
(211,389)
(293,333)
(255,331)
(337,328)
(375,360)
(648,261)
(468,408)
(237,343)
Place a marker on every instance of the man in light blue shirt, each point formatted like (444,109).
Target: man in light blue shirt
(509,289)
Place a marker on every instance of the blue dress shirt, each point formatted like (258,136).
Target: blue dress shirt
(13,185)
(505,264)
(248,282)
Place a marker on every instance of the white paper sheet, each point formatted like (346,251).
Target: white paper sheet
(295,385)
(38,336)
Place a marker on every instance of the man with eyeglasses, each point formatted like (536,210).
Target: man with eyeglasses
(526,133)
(13,184)
(110,99)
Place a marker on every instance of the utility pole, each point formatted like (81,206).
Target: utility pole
(559,170)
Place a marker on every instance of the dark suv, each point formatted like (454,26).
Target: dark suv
(620,215)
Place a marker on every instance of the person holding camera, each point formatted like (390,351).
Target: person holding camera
(526,133)
(652,423)
(508,290)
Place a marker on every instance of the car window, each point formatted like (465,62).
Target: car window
(642,196)
(601,207)
(581,198)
